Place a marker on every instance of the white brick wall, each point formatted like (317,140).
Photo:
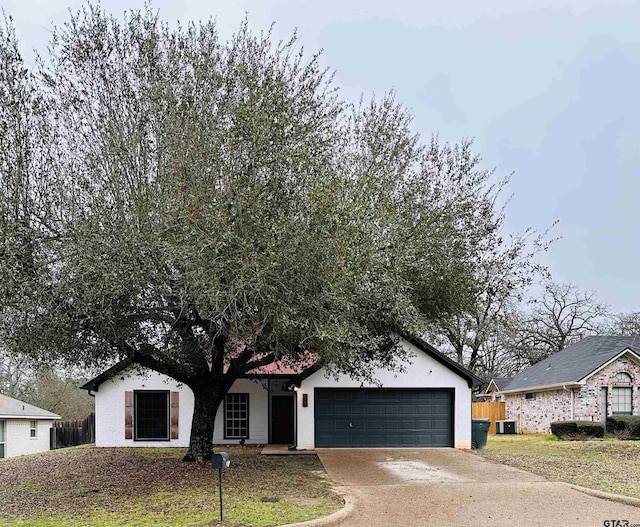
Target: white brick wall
(18,440)
(424,372)
(110,409)
(258,413)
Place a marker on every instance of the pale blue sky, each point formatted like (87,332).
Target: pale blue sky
(548,89)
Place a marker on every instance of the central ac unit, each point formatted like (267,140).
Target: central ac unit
(505,427)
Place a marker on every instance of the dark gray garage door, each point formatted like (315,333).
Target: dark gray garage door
(383,418)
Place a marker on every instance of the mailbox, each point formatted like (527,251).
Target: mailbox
(220,460)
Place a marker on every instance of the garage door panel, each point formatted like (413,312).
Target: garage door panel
(341,409)
(391,409)
(408,409)
(383,417)
(358,424)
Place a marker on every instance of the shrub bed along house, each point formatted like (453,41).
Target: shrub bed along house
(573,430)
(624,426)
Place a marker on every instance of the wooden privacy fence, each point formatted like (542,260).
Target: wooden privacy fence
(494,411)
(72,433)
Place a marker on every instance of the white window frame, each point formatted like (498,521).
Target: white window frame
(618,393)
(33,429)
(236,413)
(622,377)
(622,390)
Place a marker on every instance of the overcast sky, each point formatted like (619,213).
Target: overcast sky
(548,89)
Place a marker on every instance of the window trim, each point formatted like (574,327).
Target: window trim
(613,402)
(625,382)
(167,394)
(33,429)
(224,417)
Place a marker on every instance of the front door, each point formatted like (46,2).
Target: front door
(2,435)
(282,407)
(603,406)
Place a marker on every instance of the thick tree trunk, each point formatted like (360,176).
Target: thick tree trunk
(207,398)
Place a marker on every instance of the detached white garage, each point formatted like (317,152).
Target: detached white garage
(426,405)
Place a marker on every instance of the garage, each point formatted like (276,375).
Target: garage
(379,417)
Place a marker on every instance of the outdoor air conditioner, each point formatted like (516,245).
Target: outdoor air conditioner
(505,427)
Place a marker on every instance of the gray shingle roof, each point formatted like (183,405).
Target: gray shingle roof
(501,382)
(10,407)
(574,362)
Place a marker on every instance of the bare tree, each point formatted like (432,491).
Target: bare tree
(624,324)
(59,392)
(505,269)
(16,375)
(562,315)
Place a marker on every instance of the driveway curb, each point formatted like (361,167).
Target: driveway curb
(618,498)
(333,518)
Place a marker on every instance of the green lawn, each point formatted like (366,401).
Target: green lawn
(609,465)
(104,487)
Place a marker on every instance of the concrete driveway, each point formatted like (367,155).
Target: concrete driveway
(442,487)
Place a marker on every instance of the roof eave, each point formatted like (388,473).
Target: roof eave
(471,378)
(94,384)
(609,361)
(32,417)
(558,386)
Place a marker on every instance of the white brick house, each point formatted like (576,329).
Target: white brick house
(588,381)
(24,428)
(429,404)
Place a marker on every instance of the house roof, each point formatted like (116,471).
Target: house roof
(280,368)
(15,409)
(301,370)
(500,382)
(574,363)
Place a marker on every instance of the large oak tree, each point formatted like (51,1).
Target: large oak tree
(206,207)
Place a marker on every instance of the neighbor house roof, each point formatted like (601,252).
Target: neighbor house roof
(300,370)
(574,363)
(11,408)
(500,382)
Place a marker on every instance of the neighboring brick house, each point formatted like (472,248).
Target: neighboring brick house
(588,381)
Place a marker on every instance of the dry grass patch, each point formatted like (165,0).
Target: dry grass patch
(104,487)
(608,465)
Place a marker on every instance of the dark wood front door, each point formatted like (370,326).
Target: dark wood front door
(282,420)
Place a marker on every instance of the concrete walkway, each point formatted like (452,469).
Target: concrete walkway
(446,487)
